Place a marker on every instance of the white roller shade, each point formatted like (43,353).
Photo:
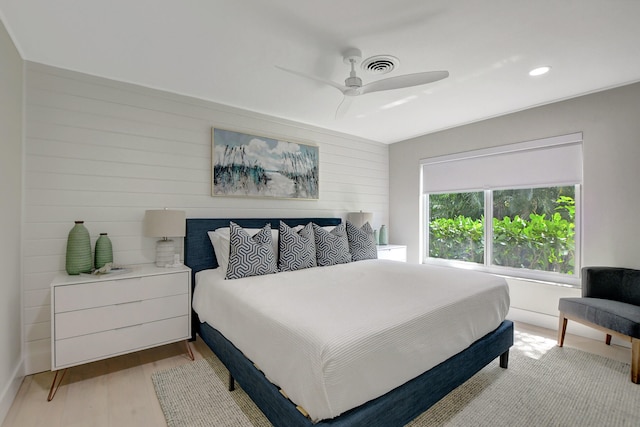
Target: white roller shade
(547,162)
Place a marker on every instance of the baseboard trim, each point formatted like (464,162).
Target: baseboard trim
(11,390)
(533,318)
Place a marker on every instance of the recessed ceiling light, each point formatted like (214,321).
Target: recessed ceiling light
(539,71)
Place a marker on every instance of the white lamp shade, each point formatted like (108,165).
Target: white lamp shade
(359,218)
(164,223)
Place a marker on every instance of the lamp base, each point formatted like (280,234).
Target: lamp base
(164,252)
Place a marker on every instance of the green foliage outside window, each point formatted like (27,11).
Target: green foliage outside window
(460,238)
(542,241)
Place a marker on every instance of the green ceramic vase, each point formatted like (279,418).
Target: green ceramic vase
(78,250)
(104,251)
(384,237)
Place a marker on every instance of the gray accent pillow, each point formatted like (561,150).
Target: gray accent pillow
(250,256)
(361,242)
(331,247)
(297,249)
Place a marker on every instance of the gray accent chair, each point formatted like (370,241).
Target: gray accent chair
(611,303)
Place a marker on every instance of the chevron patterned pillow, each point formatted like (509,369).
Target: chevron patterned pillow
(297,249)
(250,256)
(361,243)
(220,239)
(331,247)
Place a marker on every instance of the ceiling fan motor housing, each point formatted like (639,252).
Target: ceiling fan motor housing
(353,81)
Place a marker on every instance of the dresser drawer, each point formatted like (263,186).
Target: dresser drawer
(86,348)
(392,252)
(93,318)
(117,291)
(81,322)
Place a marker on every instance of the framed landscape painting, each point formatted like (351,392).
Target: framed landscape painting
(257,166)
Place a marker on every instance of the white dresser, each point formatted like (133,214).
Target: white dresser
(393,252)
(94,318)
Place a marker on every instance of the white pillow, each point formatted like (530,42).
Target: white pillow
(221,249)
(220,240)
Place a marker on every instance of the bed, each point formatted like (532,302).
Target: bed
(395,407)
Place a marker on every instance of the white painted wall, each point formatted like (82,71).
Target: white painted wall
(611,198)
(11,370)
(104,151)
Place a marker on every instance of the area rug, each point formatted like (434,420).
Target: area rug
(544,386)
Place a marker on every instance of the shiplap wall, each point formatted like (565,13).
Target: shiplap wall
(104,151)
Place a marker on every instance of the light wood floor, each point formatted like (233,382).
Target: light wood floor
(119,391)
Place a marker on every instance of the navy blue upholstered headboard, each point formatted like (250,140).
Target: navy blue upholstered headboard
(198,251)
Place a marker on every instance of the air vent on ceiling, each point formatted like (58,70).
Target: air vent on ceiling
(380,64)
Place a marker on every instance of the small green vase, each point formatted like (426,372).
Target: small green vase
(78,250)
(384,237)
(104,251)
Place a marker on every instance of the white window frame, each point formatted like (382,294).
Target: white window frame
(521,273)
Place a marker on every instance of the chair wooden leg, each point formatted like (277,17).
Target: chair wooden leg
(608,339)
(635,360)
(562,329)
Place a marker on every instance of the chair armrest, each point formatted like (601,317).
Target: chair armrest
(612,283)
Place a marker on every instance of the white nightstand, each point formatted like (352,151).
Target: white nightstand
(393,252)
(97,317)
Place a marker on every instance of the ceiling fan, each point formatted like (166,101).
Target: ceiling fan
(353,84)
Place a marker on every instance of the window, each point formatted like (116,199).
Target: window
(531,193)
(456,226)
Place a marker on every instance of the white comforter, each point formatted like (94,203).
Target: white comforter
(336,337)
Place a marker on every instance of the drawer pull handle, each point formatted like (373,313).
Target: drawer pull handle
(129,302)
(129,326)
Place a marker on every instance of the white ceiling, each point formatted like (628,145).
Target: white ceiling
(226,51)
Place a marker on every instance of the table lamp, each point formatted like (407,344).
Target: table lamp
(164,223)
(359,218)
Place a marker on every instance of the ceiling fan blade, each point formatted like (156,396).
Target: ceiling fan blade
(338,86)
(344,106)
(407,80)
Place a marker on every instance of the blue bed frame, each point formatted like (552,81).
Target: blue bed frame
(396,408)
